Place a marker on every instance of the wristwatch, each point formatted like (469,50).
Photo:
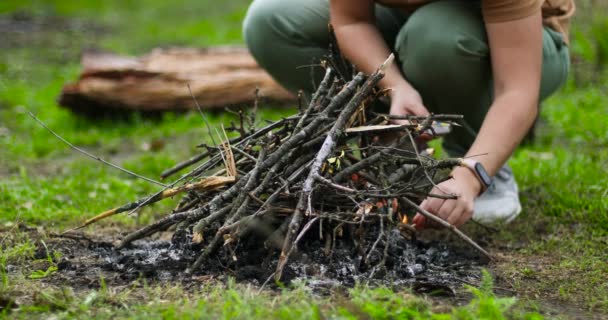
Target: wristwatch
(480,172)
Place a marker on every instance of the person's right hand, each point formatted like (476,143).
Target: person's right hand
(405,100)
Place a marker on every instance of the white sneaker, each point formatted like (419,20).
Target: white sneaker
(500,203)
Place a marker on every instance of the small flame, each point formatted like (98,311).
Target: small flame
(404,219)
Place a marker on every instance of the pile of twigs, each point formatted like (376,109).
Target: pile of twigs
(329,165)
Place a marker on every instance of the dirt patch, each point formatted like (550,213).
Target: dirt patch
(425,266)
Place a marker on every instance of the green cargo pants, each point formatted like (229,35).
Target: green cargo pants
(442,48)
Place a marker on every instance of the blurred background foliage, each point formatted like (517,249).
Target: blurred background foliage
(589,47)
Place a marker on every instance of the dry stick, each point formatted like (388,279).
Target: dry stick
(369,254)
(200,226)
(254,111)
(367,162)
(447,225)
(203,223)
(371,160)
(291,143)
(336,102)
(330,93)
(201,167)
(193,215)
(200,110)
(437,117)
(294,140)
(263,185)
(339,187)
(319,94)
(92,156)
(204,184)
(238,141)
(184,164)
(271,199)
(159,225)
(409,134)
(400,173)
(196,214)
(195,172)
(243,153)
(186,205)
(322,155)
(239,207)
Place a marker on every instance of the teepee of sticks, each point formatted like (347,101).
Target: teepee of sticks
(337,162)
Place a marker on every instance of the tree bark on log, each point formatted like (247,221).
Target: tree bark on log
(158,81)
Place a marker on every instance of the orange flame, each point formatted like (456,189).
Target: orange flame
(404,219)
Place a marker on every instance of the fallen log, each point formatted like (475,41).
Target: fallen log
(159,81)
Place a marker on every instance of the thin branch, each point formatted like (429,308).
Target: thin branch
(92,156)
(448,226)
(200,110)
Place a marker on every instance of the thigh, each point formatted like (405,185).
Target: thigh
(556,62)
(289,38)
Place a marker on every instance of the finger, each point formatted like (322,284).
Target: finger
(446,209)
(455,216)
(465,216)
(420,221)
(432,205)
(418,110)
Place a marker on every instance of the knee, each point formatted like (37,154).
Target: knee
(440,43)
(271,21)
(258,23)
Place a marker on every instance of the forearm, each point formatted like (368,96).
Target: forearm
(506,123)
(516,54)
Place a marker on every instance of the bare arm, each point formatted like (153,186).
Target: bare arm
(361,42)
(516,52)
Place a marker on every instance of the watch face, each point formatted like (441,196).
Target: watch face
(483,174)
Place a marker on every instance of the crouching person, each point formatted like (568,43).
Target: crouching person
(492,61)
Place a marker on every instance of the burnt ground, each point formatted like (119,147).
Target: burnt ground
(436,266)
(423,265)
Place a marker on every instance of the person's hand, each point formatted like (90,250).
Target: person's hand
(405,100)
(465,185)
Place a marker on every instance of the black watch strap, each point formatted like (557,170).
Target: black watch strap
(480,172)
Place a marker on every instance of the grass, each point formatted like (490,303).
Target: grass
(555,252)
(234,301)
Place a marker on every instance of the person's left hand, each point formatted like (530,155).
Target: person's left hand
(457,211)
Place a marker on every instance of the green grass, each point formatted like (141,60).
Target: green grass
(555,251)
(234,301)
(561,174)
